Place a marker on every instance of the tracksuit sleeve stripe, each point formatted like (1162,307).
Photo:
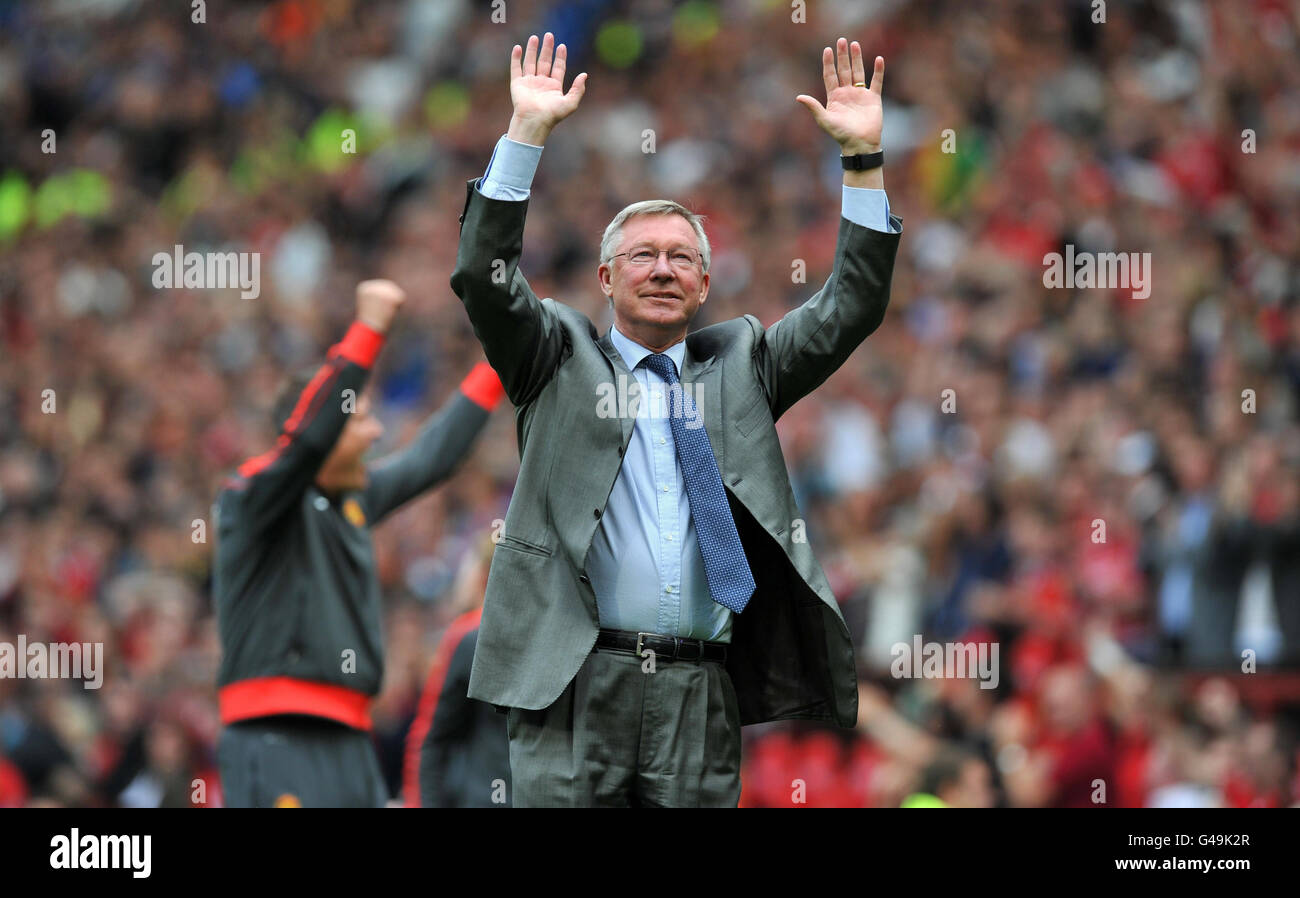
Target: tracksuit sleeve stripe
(304,411)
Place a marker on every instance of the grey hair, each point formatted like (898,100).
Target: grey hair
(614,230)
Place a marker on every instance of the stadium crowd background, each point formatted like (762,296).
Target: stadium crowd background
(1120,660)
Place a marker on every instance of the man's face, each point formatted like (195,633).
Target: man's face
(344,468)
(655,302)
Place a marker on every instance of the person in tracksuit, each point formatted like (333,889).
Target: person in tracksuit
(297,597)
(458,750)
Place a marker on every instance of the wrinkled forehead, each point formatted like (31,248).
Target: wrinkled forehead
(664,231)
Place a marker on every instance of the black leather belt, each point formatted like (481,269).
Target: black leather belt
(666,648)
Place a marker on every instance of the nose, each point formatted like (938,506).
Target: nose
(661,267)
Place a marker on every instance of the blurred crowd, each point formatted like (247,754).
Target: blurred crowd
(1104,486)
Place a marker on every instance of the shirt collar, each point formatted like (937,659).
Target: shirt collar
(634,353)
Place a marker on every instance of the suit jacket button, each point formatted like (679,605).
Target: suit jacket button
(596,512)
(583,578)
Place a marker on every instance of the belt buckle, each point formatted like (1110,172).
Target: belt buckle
(640,637)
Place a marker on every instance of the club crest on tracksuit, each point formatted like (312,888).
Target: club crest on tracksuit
(352,511)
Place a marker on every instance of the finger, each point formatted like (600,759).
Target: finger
(530,56)
(577,90)
(557,69)
(813,106)
(829,78)
(842,67)
(544,58)
(878,75)
(516,62)
(855,57)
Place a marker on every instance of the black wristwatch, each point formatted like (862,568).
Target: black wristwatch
(863,161)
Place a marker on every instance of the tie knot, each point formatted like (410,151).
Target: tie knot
(663,366)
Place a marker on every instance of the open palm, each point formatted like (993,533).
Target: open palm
(537,83)
(854,112)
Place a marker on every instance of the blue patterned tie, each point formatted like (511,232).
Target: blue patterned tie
(730,580)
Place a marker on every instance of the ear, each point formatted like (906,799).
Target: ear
(704,288)
(606,275)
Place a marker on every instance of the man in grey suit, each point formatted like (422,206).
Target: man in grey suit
(651,591)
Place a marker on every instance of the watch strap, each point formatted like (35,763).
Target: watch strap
(863,161)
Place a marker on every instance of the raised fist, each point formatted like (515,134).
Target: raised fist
(377,303)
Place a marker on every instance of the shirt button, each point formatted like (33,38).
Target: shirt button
(668,589)
(662,441)
(321,503)
(665,489)
(669,537)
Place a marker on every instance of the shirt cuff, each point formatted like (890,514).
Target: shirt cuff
(510,172)
(868,207)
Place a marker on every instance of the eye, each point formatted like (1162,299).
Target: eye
(683,258)
(642,255)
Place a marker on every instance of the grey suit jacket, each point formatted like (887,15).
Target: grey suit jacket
(791,655)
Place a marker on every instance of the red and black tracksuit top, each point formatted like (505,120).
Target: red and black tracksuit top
(297,598)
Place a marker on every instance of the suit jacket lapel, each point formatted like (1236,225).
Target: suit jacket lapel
(707,393)
(620,369)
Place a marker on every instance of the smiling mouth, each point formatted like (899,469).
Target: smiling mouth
(672,296)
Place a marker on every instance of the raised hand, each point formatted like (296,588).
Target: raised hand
(853,114)
(537,90)
(377,303)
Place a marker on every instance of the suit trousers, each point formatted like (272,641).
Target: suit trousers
(620,735)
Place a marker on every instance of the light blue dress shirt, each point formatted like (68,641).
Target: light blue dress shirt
(645,564)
